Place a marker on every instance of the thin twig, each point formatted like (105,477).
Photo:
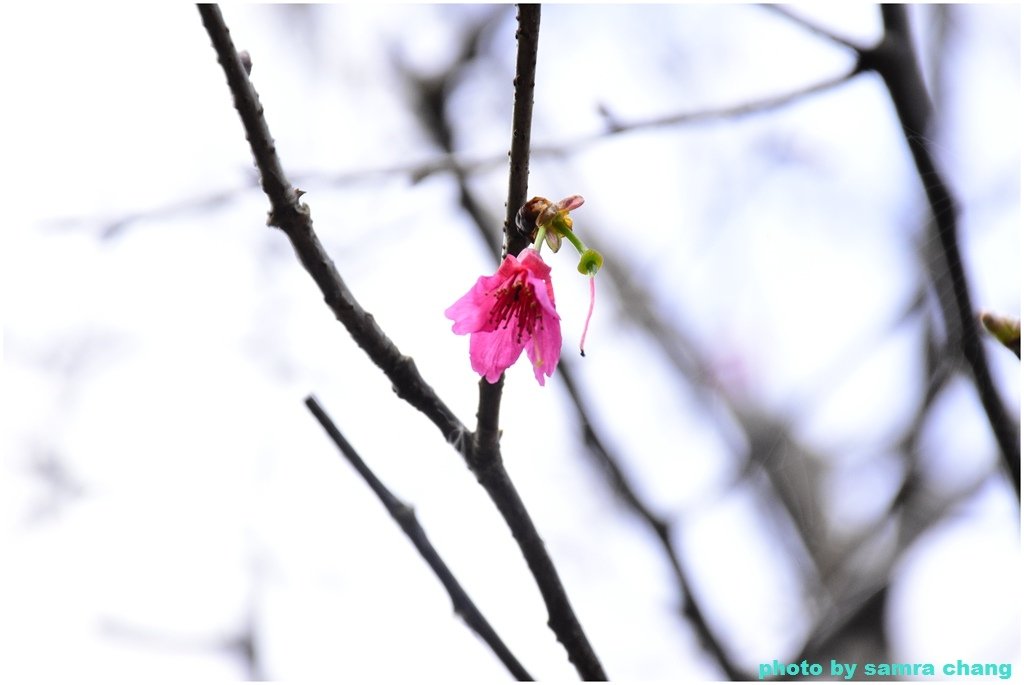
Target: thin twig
(405,517)
(293,218)
(430,105)
(463,164)
(527,37)
(895,61)
(767,104)
(242,645)
(469,165)
(486,461)
(488,468)
(812,27)
(115,227)
(742,428)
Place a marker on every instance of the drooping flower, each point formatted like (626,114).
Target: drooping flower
(508,312)
(514,309)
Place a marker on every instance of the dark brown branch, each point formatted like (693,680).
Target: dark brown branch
(431,106)
(491,474)
(487,465)
(895,61)
(293,218)
(487,432)
(486,461)
(527,36)
(405,517)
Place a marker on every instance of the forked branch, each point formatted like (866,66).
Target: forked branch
(481,449)
(895,61)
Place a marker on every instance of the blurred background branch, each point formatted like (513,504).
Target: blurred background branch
(895,60)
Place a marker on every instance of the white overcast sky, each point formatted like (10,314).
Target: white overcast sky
(162,370)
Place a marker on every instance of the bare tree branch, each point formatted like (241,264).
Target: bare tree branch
(405,517)
(462,164)
(491,474)
(112,228)
(522,123)
(859,606)
(242,645)
(483,457)
(703,115)
(527,37)
(614,126)
(895,61)
(486,461)
(293,218)
(812,27)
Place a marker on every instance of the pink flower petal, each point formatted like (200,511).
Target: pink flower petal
(567,204)
(468,312)
(510,311)
(545,347)
(490,353)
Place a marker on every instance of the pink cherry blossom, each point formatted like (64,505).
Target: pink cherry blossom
(508,312)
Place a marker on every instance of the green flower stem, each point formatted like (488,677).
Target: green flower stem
(576,242)
(541,230)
